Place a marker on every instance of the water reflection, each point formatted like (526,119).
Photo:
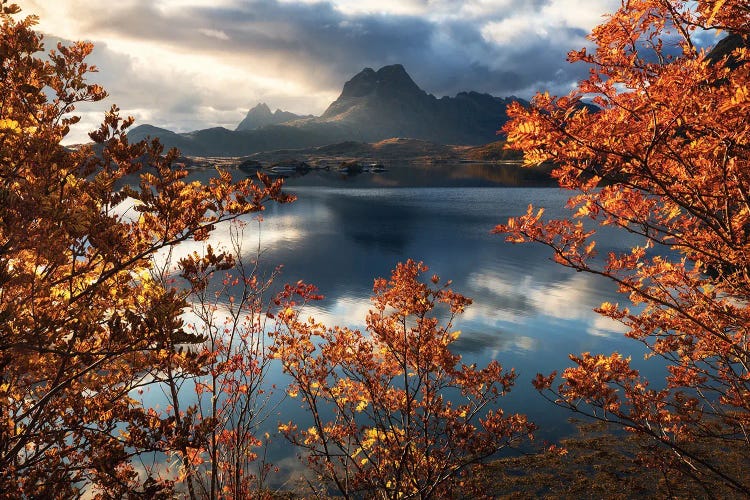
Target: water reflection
(528,312)
(353,236)
(569,299)
(493,342)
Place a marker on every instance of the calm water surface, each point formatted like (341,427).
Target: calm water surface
(528,312)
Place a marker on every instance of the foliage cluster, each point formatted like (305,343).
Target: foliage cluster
(393,428)
(90,317)
(84,321)
(665,159)
(98,316)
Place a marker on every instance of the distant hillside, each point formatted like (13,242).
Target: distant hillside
(397,148)
(494,151)
(167,137)
(373,106)
(219,141)
(389,150)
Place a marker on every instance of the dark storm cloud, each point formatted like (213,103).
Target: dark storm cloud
(467,61)
(321,42)
(303,38)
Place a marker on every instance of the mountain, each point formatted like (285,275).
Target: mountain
(167,137)
(726,47)
(219,141)
(373,106)
(390,85)
(261,116)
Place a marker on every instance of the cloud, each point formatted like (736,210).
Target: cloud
(213,33)
(508,300)
(187,65)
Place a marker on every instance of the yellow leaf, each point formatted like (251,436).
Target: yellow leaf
(9,125)
(717,6)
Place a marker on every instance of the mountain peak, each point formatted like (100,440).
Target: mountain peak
(361,84)
(388,80)
(260,116)
(393,72)
(261,108)
(389,84)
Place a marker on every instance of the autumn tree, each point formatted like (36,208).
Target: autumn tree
(229,397)
(81,317)
(395,414)
(665,158)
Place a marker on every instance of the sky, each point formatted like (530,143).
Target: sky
(192,64)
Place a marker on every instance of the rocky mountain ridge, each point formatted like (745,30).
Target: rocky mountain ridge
(373,106)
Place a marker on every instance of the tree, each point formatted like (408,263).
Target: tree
(229,397)
(665,159)
(408,420)
(81,317)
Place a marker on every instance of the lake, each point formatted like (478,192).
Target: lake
(527,311)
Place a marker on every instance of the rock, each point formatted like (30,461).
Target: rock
(290,166)
(250,166)
(351,167)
